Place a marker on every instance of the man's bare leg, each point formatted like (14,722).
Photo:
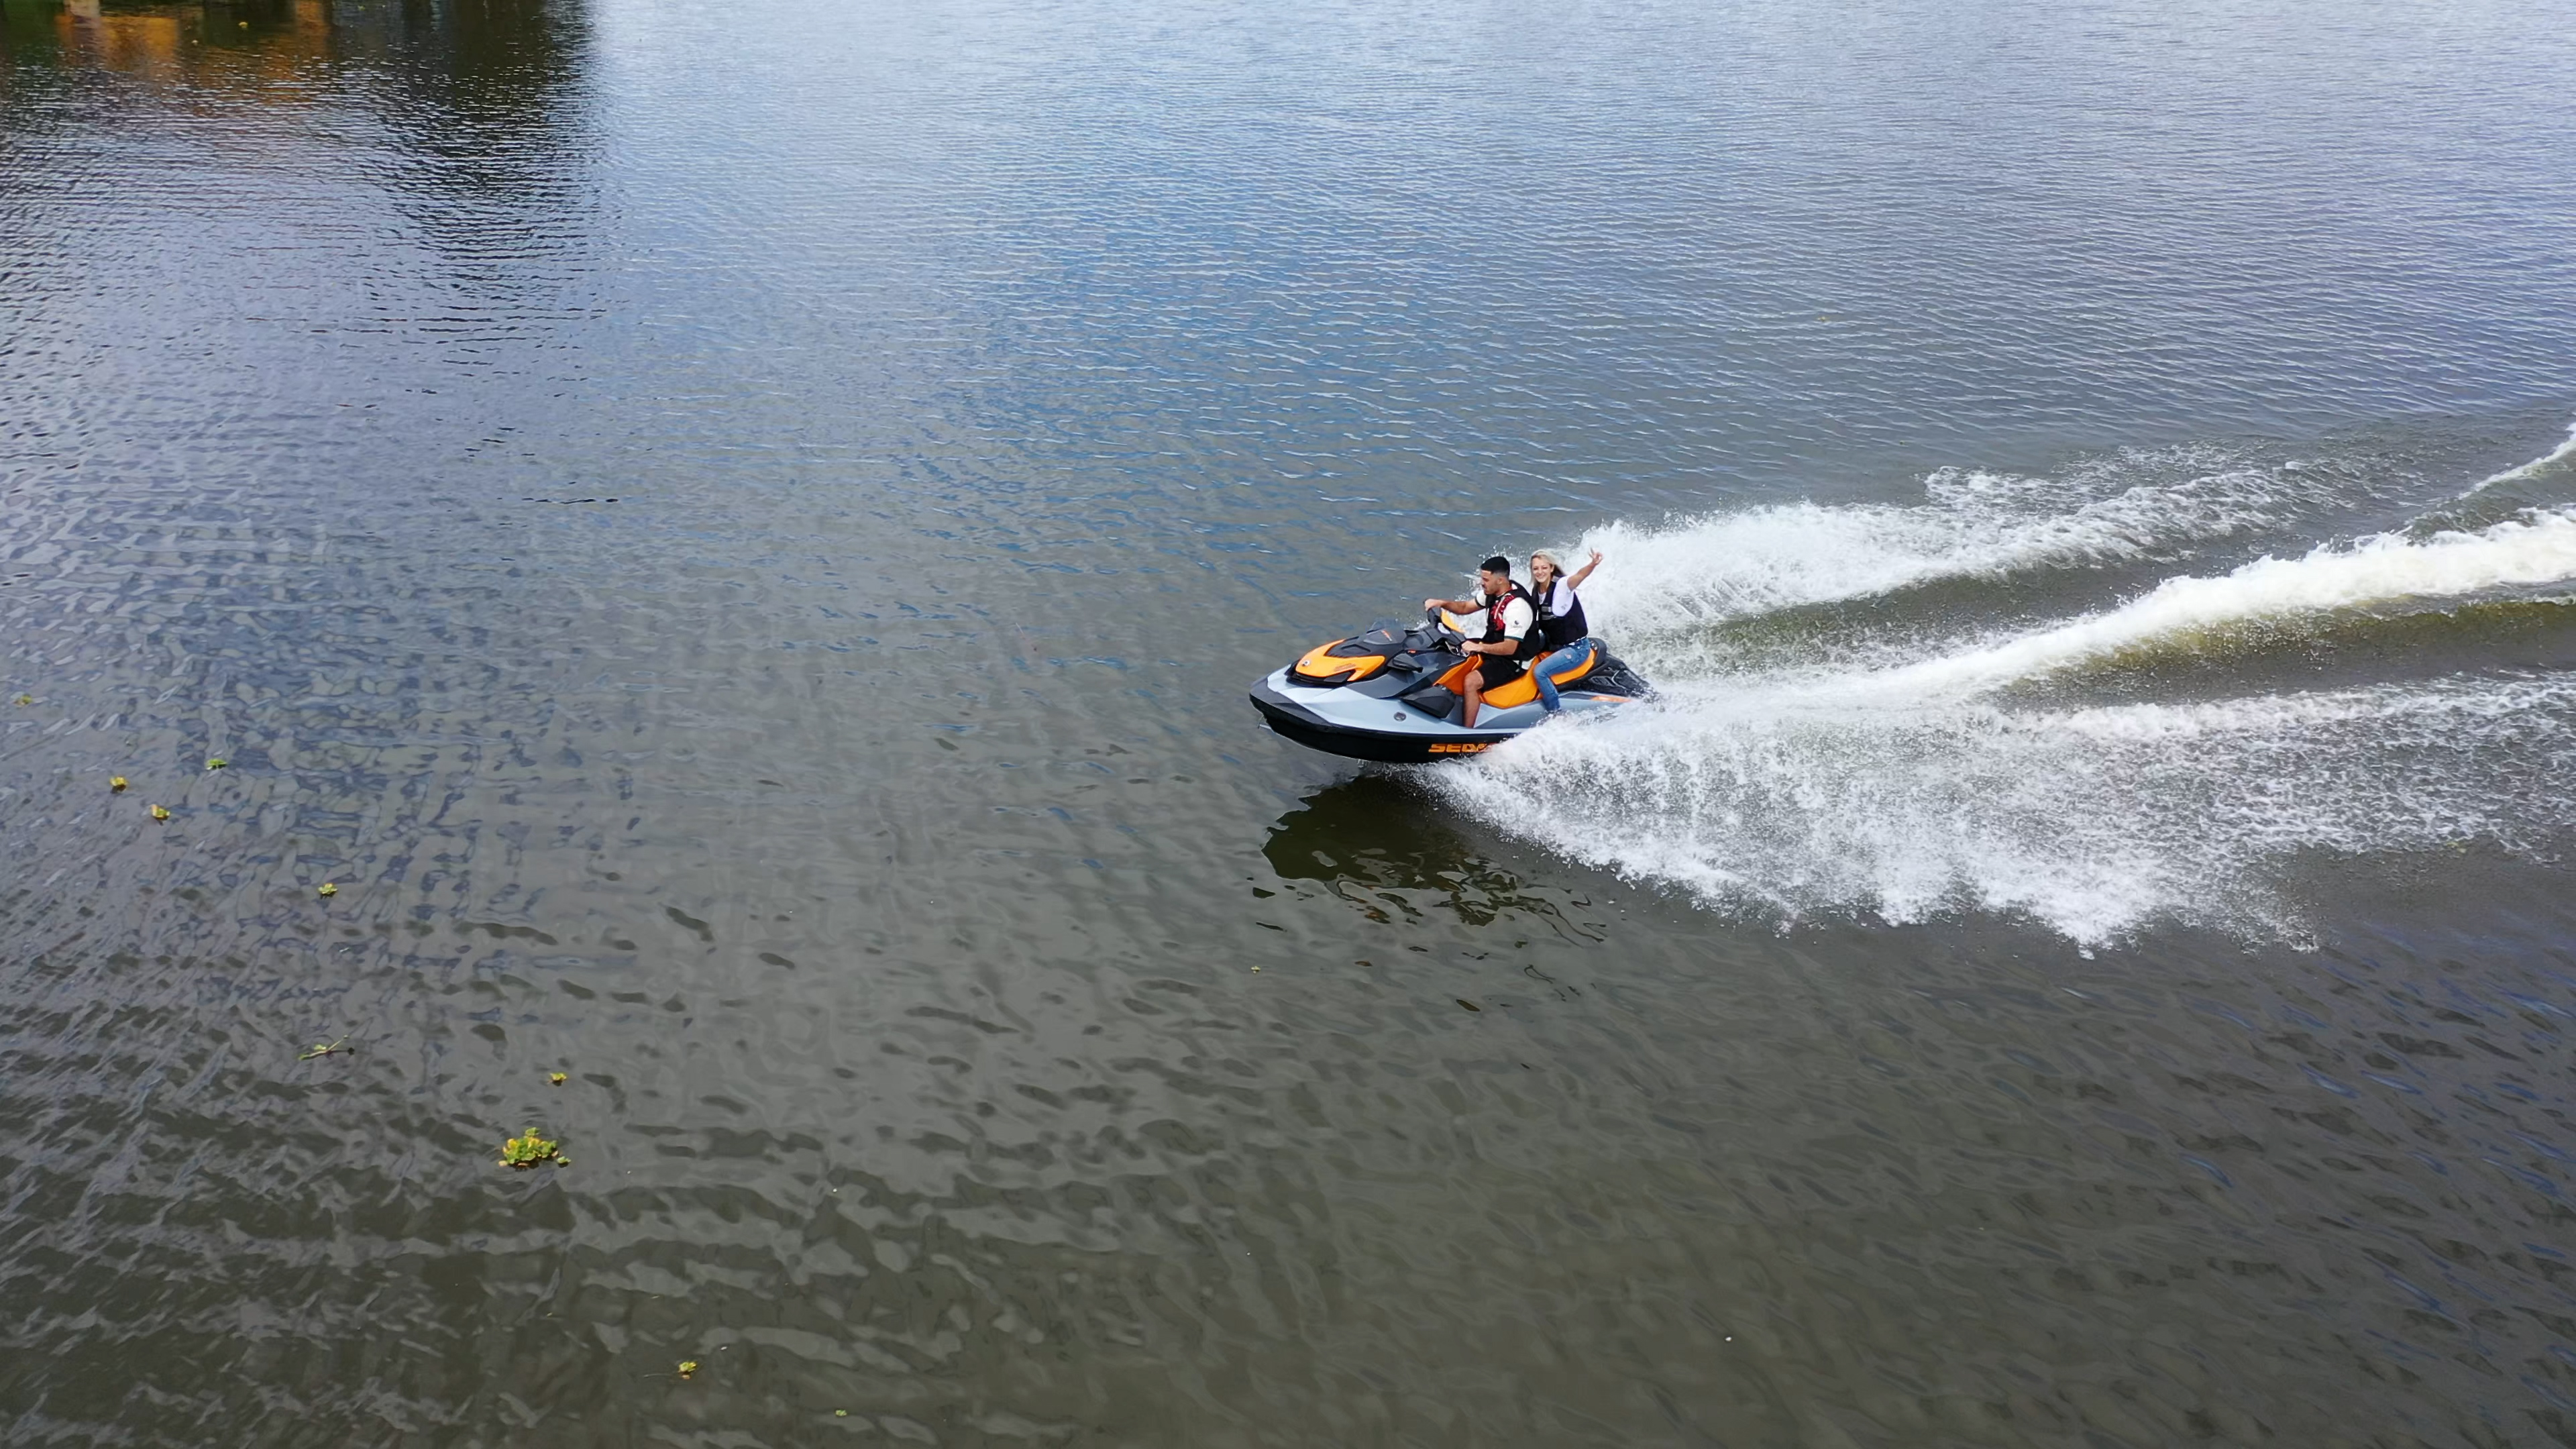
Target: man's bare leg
(1475,696)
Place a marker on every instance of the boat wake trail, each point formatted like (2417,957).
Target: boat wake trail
(2094,821)
(2131,506)
(2535,549)
(2556,458)
(1934,785)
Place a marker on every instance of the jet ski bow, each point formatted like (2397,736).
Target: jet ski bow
(1393,694)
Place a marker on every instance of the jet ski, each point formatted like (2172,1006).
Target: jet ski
(1393,694)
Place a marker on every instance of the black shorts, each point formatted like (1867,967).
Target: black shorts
(1497,670)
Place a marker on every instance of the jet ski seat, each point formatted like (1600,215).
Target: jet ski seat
(1522,689)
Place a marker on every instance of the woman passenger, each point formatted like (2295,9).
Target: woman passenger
(1562,628)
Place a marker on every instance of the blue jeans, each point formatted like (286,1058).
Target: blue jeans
(1563,661)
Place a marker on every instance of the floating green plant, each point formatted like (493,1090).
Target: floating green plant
(688,1366)
(217,763)
(324,1049)
(556,1079)
(326,889)
(159,813)
(532,1151)
(116,783)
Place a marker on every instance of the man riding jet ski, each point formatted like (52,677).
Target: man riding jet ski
(1457,683)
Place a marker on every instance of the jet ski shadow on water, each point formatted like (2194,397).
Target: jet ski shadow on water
(1394,694)
(1376,843)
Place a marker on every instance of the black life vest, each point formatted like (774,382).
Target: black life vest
(1559,630)
(1530,643)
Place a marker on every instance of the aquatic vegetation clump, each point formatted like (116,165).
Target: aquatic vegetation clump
(530,1150)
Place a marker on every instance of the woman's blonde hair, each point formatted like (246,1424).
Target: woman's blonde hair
(1555,570)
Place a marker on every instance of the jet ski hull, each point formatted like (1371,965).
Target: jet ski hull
(1391,745)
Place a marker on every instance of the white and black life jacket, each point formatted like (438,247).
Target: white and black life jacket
(1560,628)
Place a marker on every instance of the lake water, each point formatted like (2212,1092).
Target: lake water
(734,538)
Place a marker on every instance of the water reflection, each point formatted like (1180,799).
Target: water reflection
(1376,842)
(446,70)
(404,194)
(250,45)
(485,66)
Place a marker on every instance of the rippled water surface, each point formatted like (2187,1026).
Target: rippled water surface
(734,537)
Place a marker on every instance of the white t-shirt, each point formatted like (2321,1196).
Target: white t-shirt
(1559,597)
(1517,615)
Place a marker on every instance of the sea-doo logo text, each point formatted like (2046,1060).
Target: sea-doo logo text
(1474,749)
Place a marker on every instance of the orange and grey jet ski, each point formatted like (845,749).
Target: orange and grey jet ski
(1393,694)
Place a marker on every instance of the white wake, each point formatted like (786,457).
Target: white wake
(1670,580)
(1908,792)
(2092,821)
(2545,463)
(2534,549)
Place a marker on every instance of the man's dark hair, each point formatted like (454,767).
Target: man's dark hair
(1499,565)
